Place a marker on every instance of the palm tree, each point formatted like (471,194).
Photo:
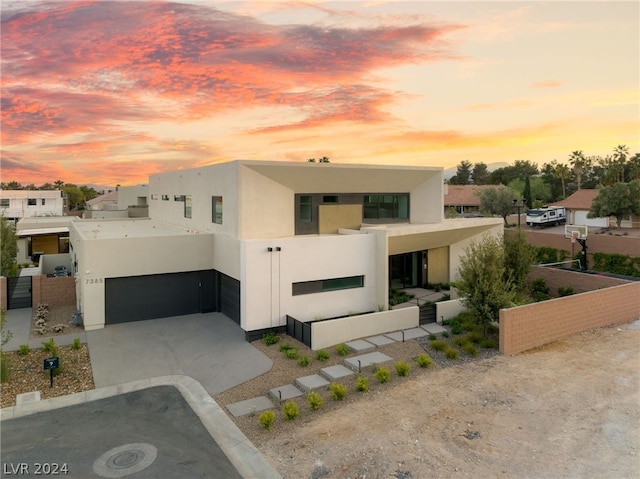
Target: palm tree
(563,172)
(620,154)
(578,163)
(58,184)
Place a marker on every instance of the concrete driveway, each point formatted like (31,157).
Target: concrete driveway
(209,347)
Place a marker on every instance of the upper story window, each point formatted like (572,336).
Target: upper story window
(4,202)
(187,206)
(216,209)
(32,201)
(43,201)
(154,196)
(165,197)
(305,208)
(386,206)
(330,199)
(178,198)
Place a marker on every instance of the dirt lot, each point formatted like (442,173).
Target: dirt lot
(570,410)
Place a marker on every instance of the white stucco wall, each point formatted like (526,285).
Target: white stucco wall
(457,249)
(266,283)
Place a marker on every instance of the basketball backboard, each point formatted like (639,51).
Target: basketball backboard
(576,232)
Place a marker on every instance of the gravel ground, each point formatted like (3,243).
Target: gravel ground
(57,315)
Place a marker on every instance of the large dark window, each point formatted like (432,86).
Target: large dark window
(333,284)
(305,208)
(216,209)
(32,201)
(4,202)
(386,207)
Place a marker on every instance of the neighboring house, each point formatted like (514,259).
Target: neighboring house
(578,206)
(42,235)
(16,204)
(464,199)
(105,202)
(259,241)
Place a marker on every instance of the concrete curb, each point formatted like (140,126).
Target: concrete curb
(248,461)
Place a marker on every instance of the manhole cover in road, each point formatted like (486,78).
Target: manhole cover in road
(124,460)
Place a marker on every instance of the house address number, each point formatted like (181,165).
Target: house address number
(94,281)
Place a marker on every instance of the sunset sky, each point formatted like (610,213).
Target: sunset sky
(110,92)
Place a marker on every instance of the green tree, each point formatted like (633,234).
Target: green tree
(497,201)
(619,200)
(75,197)
(8,247)
(518,259)
(563,172)
(579,164)
(480,174)
(539,190)
(527,192)
(58,184)
(632,168)
(484,285)
(89,193)
(463,174)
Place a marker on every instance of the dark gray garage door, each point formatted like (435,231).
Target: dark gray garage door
(137,298)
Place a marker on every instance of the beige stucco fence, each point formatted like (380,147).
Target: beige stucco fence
(533,325)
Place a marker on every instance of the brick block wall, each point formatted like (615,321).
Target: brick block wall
(53,291)
(3,293)
(580,282)
(533,325)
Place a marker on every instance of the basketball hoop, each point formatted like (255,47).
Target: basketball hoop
(574,236)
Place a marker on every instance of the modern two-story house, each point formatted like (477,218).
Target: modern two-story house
(261,240)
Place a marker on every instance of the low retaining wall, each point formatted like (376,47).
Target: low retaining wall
(335,331)
(448,309)
(579,281)
(534,325)
(53,291)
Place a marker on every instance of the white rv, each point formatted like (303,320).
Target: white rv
(547,216)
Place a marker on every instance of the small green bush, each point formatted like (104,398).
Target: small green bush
(342,349)
(291,353)
(456,327)
(451,353)
(304,361)
(24,349)
(402,368)
(362,384)
(339,391)
(432,337)
(285,347)
(460,341)
(470,350)
(315,401)
(475,337)
(445,334)
(76,344)
(290,410)
(424,360)
(382,375)
(270,338)
(488,343)
(438,345)
(266,419)
(492,329)
(565,291)
(50,346)
(4,367)
(322,355)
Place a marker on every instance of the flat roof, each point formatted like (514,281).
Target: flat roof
(129,228)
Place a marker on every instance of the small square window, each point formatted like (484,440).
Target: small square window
(178,198)
(330,199)
(32,201)
(4,202)
(43,201)
(165,197)
(154,196)
(216,209)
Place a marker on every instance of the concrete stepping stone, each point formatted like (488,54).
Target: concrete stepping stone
(380,340)
(309,383)
(360,346)
(367,360)
(26,398)
(333,373)
(408,334)
(433,328)
(249,406)
(284,393)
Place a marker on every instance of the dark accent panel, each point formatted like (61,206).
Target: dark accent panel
(19,292)
(137,298)
(208,291)
(259,333)
(299,330)
(428,313)
(230,297)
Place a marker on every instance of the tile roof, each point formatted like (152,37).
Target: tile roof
(580,200)
(463,195)
(111,196)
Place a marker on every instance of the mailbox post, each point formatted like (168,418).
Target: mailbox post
(51,364)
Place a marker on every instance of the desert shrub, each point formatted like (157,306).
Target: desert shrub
(291,353)
(362,384)
(445,334)
(460,341)
(424,360)
(539,289)
(290,410)
(4,367)
(339,391)
(382,375)
(475,337)
(402,368)
(322,355)
(488,343)
(304,361)
(456,327)
(315,401)
(438,345)
(270,338)
(451,353)
(492,329)
(50,347)
(76,344)
(432,337)
(266,419)
(565,291)
(285,347)
(342,349)
(470,350)
(24,349)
